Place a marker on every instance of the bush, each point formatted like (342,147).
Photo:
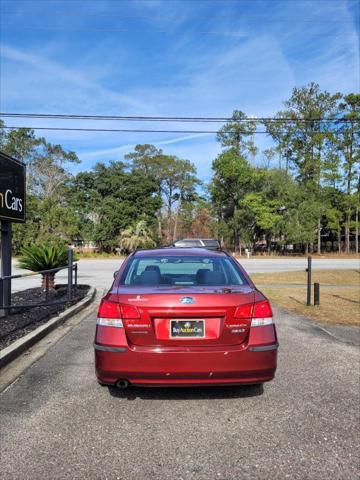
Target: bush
(43,257)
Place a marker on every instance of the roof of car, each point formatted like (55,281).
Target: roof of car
(197,240)
(173,251)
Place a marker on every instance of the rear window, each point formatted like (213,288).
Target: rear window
(188,243)
(211,243)
(182,270)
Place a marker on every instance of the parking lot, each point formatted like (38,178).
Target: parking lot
(98,272)
(58,423)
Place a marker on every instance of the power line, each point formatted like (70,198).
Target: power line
(135,118)
(132,130)
(121,16)
(131,30)
(115,117)
(171,31)
(207,1)
(125,130)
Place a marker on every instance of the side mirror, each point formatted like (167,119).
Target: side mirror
(115,274)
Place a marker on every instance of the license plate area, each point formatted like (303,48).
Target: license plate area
(187,328)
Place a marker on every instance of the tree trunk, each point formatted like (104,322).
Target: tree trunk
(357,230)
(319,236)
(339,240)
(347,233)
(176,222)
(268,243)
(49,279)
(160,233)
(169,217)
(159,226)
(236,235)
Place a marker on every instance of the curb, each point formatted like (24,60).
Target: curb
(19,346)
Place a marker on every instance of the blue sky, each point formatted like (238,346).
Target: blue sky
(169,58)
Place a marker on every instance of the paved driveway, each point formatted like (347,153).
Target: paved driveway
(99,272)
(58,423)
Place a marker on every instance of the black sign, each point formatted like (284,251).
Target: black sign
(187,328)
(12,189)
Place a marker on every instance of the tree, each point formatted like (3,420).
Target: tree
(233,175)
(348,144)
(138,236)
(198,219)
(233,179)
(176,181)
(266,206)
(49,169)
(304,131)
(237,134)
(301,222)
(186,183)
(20,143)
(50,218)
(150,160)
(110,199)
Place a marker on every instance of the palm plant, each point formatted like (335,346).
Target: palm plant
(136,237)
(43,257)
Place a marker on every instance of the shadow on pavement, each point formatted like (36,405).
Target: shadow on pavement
(187,393)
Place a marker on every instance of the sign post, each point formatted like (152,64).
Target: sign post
(12,209)
(308,290)
(6,260)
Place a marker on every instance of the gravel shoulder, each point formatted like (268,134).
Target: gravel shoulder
(303,425)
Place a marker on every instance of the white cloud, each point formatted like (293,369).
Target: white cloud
(110,152)
(54,73)
(187,74)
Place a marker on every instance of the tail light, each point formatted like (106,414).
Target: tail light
(111,314)
(260,313)
(129,312)
(244,311)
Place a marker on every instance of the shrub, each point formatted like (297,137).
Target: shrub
(43,257)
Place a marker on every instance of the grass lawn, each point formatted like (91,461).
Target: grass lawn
(338,304)
(324,277)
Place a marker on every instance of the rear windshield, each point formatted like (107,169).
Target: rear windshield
(211,243)
(188,243)
(182,270)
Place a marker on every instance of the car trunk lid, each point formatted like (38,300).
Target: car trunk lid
(185,316)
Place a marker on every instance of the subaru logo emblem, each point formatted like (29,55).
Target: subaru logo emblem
(187,300)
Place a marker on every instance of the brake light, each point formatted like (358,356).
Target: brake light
(262,314)
(129,311)
(244,311)
(109,314)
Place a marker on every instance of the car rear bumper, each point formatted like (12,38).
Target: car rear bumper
(156,367)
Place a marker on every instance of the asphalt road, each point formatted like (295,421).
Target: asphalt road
(99,272)
(58,423)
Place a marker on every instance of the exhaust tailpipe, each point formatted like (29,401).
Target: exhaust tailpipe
(122,384)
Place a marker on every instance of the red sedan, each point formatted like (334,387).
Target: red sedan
(176,316)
